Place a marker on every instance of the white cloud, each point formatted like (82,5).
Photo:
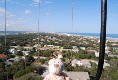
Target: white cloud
(4,0)
(36,1)
(8,23)
(15,2)
(9,1)
(10,15)
(48,2)
(11,24)
(27,11)
(2,13)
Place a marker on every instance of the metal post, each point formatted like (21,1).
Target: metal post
(5,42)
(38,34)
(102,38)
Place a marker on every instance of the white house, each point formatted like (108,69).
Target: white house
(97,54)
(79,63)
(84,63)
(12,50)
(25,52)
(83,48)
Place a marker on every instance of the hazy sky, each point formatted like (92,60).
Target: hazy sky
(56,16)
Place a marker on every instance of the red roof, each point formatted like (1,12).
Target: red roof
(2,56)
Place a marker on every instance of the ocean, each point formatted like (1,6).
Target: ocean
(96,35)
(82,34)
(2,33)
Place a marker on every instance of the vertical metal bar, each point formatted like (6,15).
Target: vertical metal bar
(5,25)
(5,42)
(38,32)
(72,25)
(102,38)
(72,12)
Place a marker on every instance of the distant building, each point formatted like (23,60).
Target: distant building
(12,50)
(73,50)
(74,62)
(49,46)
(37,45)
(105,64)
(10,61)
(78,75)
(25,52)
(97,54)
(83,48)
(35,57)
(28,48)
(14,47)
(110,54)
(84,63)
(2,56)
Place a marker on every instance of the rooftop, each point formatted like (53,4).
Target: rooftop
(78,75)
(2,56)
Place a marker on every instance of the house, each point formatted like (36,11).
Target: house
(2,56)
(79,63)
(74,62)
(105,64)
(83,48)
(25,52)
(78,75)
(110,54)
(84,63)
(12,50)
(73,50)
(97,54)
(17,58)
(14,47)
(74,47)
(10,61)
(37,45)
(35,57)
(28,48)
(49,46)
(57,47)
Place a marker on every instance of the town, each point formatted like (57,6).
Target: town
(26,56)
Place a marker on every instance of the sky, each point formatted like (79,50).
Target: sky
(56,16)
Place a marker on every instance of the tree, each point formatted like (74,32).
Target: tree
(16,66)
(29,59)
(30,76)
(111,49)
(3,76)
(29,69)
(2,67)
(19,74)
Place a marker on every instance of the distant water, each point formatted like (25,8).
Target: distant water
(95,35)
(82,34)
(2,33)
